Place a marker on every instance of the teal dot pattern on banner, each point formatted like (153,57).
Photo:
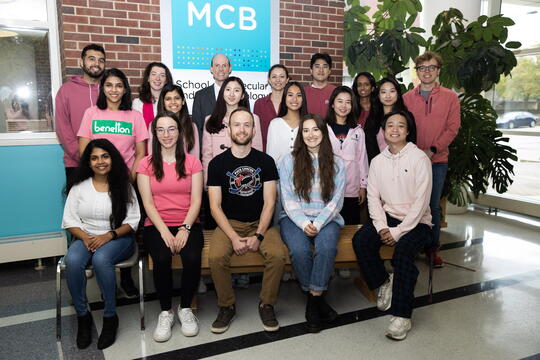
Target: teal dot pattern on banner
(240,30)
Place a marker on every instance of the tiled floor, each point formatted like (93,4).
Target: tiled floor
(489,313)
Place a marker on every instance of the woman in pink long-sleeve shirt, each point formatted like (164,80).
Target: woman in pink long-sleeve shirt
(216,138)
(399,190)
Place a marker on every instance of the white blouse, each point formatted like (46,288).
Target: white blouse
(88,209)
(280,139)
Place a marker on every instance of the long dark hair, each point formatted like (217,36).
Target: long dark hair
(331,113)
(354,86)
(215,122)
(117,178)
(409,118)
(303,170)
(145,91)
(180,155)
(125,102)
(376,114)
(283,109)
(186,125)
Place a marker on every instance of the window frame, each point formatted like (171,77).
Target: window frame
(51,26)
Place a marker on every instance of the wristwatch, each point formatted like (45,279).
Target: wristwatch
(114,235)
(259,237)
(187,226)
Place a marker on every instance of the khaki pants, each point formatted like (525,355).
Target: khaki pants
(272,249)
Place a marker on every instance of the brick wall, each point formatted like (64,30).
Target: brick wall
(129,31)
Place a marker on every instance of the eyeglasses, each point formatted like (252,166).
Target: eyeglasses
(170,130)
(429,68)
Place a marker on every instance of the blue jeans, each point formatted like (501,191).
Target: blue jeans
(313,268)
(439,171)
(103,260)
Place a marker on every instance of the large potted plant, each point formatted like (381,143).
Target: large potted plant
(474,55)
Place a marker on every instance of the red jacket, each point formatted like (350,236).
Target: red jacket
(437,119)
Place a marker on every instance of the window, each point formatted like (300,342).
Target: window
(517,101)
(29,68)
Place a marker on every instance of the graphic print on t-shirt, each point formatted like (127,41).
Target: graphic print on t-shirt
(112,127)
(244,181)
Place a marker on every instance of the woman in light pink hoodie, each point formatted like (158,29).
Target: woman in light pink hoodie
(399,189)
(348,142)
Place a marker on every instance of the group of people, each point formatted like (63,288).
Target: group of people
(284,178)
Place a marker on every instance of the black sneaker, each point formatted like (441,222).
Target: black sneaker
(224,319)
(268,317)
(326,312)
(312,314)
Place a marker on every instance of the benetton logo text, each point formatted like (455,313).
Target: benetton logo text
(112,127)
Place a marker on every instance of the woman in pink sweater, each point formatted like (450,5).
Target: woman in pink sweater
(399,189)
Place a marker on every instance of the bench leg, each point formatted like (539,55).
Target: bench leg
(141,293)
(361,284)
(58,301)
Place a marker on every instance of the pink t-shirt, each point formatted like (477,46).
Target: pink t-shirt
(123,128)
(172,196)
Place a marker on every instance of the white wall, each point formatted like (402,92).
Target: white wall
(431,8)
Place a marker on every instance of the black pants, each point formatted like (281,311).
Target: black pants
(162,257)
(350,211)
(367,243)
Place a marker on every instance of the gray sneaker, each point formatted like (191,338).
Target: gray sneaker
(268,317)
(384,298)
(223,321)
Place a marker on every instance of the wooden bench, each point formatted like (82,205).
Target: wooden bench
(253,262)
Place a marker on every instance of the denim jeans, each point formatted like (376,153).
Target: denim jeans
(312,267)
(103,261)
(439,175)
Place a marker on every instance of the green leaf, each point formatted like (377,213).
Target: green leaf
(482,19)
(417,30)
(513,45)
(419,40)
(487,35)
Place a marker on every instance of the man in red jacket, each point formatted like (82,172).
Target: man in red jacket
(436,111)
(72,100)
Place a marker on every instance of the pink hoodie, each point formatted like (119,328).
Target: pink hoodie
(354,155)
(400,186)
(437,119)
(72,100)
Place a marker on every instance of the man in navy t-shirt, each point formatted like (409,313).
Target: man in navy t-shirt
(242,192)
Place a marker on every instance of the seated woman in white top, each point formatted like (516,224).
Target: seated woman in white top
(101,212)
(399,190)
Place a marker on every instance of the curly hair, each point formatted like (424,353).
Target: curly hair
(145,93)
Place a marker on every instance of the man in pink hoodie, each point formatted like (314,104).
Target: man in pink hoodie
(436,110)
(72,100)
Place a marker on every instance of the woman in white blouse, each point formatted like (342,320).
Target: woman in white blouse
(283,129)
(101,212)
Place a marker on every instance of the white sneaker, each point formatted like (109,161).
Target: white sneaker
(190,323)
(398,328)
(202,286)
(164,325)
(344,273)
(384,298)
